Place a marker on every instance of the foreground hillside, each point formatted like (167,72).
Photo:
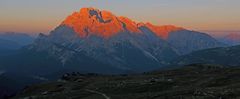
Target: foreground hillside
(189,82)
(229,56)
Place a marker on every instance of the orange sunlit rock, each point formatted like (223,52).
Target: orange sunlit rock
(130,25)
(91,21)
(162,31)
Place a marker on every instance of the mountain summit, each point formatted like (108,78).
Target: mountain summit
(92,21)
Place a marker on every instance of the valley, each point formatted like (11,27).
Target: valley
(196,81)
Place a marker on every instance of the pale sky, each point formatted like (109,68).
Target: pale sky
(34,16)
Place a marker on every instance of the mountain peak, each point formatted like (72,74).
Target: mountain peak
(92,21)
(89,9)
(102,16)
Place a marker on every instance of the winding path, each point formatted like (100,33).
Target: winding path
(96,92)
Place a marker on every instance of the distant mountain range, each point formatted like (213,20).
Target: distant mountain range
(98,41)
(231,39)
(8,44)
(12,41)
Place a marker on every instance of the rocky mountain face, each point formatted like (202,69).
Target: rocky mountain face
(91,21)
(161,31)
(112,40)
